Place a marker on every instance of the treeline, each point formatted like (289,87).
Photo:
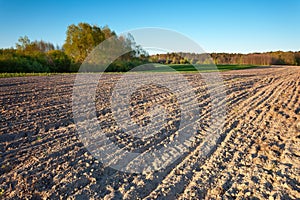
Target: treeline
(81,39)
(36,56)
(267,58)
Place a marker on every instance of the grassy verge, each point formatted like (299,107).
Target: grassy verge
(201,68)
(159,68)
(8,75)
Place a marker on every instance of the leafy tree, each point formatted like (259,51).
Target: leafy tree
(42,46)
(81,39)
(26,46)
(23,43)
(107,32)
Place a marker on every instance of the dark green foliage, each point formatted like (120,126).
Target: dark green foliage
(12,60)
(268,58)
(124,66)
(201,68)
(58,61)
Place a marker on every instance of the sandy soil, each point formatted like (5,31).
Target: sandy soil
(257,155)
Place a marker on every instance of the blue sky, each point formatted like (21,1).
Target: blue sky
(218,26)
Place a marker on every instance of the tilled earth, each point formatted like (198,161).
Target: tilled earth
(256,157)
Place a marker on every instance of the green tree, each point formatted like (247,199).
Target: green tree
(23,43)
(26,46)
(81,39)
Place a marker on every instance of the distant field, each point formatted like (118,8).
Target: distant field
(159,68)
(191,68)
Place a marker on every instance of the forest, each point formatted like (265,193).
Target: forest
(81,39)
(267,58)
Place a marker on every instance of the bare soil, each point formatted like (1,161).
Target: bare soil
(257,155)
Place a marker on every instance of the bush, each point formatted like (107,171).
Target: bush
(58,61)
(18,61)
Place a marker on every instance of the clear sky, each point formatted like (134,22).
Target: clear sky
(218,26)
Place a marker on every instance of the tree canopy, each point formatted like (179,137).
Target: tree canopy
(81,39)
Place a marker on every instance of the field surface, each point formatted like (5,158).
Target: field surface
(257,155)
(204,68)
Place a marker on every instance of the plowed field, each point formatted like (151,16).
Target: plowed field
(257,154)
